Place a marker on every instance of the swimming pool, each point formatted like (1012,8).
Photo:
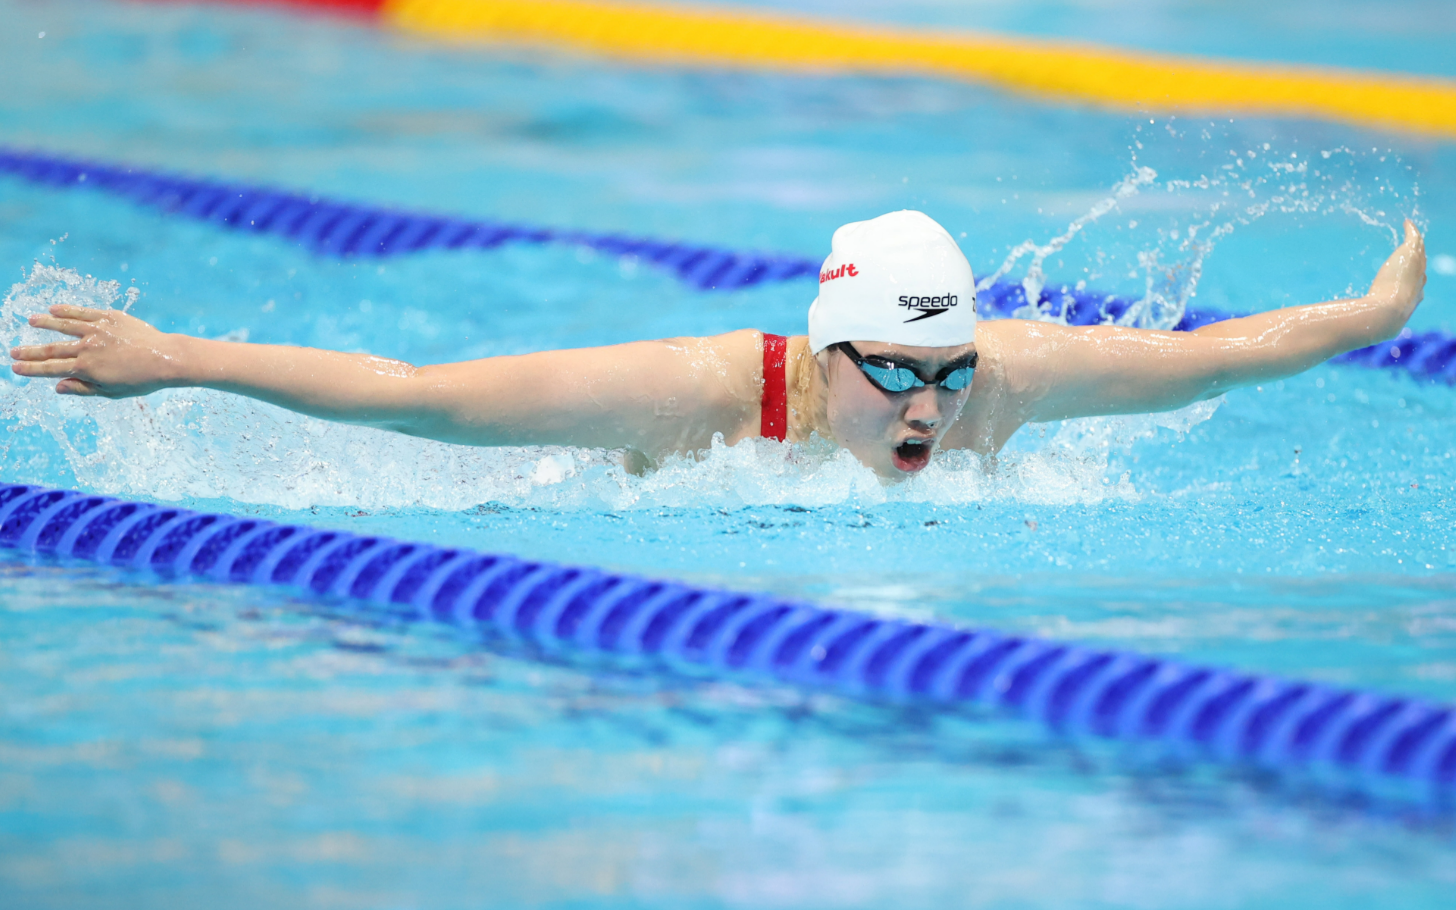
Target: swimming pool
(186,743)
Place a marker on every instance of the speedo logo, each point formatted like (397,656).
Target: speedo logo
(844,270)
(928,306)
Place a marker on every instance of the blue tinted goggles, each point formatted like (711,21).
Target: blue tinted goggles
(891,376)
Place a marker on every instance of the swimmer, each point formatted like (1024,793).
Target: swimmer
(894,367)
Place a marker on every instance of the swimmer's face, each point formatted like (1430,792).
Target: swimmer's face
(893,433)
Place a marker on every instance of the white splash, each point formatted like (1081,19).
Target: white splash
(1249,185)
(1035,278)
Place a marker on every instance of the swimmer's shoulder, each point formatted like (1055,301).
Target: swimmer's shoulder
(1007,346)
(730,364)
(1011,357)
(994,411)
(995,340)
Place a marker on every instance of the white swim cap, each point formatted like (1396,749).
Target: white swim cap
(898,278)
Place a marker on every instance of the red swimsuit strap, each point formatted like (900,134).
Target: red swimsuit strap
(774,423)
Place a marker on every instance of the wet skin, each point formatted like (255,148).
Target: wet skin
(654,398)
(894,433)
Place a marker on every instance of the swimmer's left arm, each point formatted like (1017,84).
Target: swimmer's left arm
(1062,372)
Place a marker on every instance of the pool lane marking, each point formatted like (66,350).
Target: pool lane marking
(1055,69)
(343,230)
(1106,77)
(1367,738)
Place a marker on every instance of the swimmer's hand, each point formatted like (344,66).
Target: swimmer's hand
(114,355)
(1401,282)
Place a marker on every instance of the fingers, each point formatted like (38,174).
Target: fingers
(76,387)
(54,351)
(44,368)
(1413,235)
(73,327)
(82,313)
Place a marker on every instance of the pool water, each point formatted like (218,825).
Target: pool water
(184,744)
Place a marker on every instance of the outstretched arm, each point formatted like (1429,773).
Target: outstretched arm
(1057,372)
(654,397)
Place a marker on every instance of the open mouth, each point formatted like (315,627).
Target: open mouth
(912,455)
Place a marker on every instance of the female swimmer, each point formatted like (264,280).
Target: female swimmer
(894,366)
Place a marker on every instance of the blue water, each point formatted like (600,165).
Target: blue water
(1403,36)
(187,745)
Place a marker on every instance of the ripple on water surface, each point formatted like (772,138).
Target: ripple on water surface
(181,744)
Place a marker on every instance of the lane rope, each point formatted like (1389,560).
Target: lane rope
(340,230)
(1075,71)
(1218,714)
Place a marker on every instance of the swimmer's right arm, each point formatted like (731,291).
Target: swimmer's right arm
(1090,371)
(654,397)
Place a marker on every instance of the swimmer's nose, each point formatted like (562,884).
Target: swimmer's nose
(922,411)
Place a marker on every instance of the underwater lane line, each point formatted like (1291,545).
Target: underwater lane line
(1194,711)
(341,230)
(1058,70)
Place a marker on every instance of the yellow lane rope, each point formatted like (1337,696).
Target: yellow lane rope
(1118,79)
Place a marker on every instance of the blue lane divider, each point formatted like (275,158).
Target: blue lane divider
(1220,714)
(338,229)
